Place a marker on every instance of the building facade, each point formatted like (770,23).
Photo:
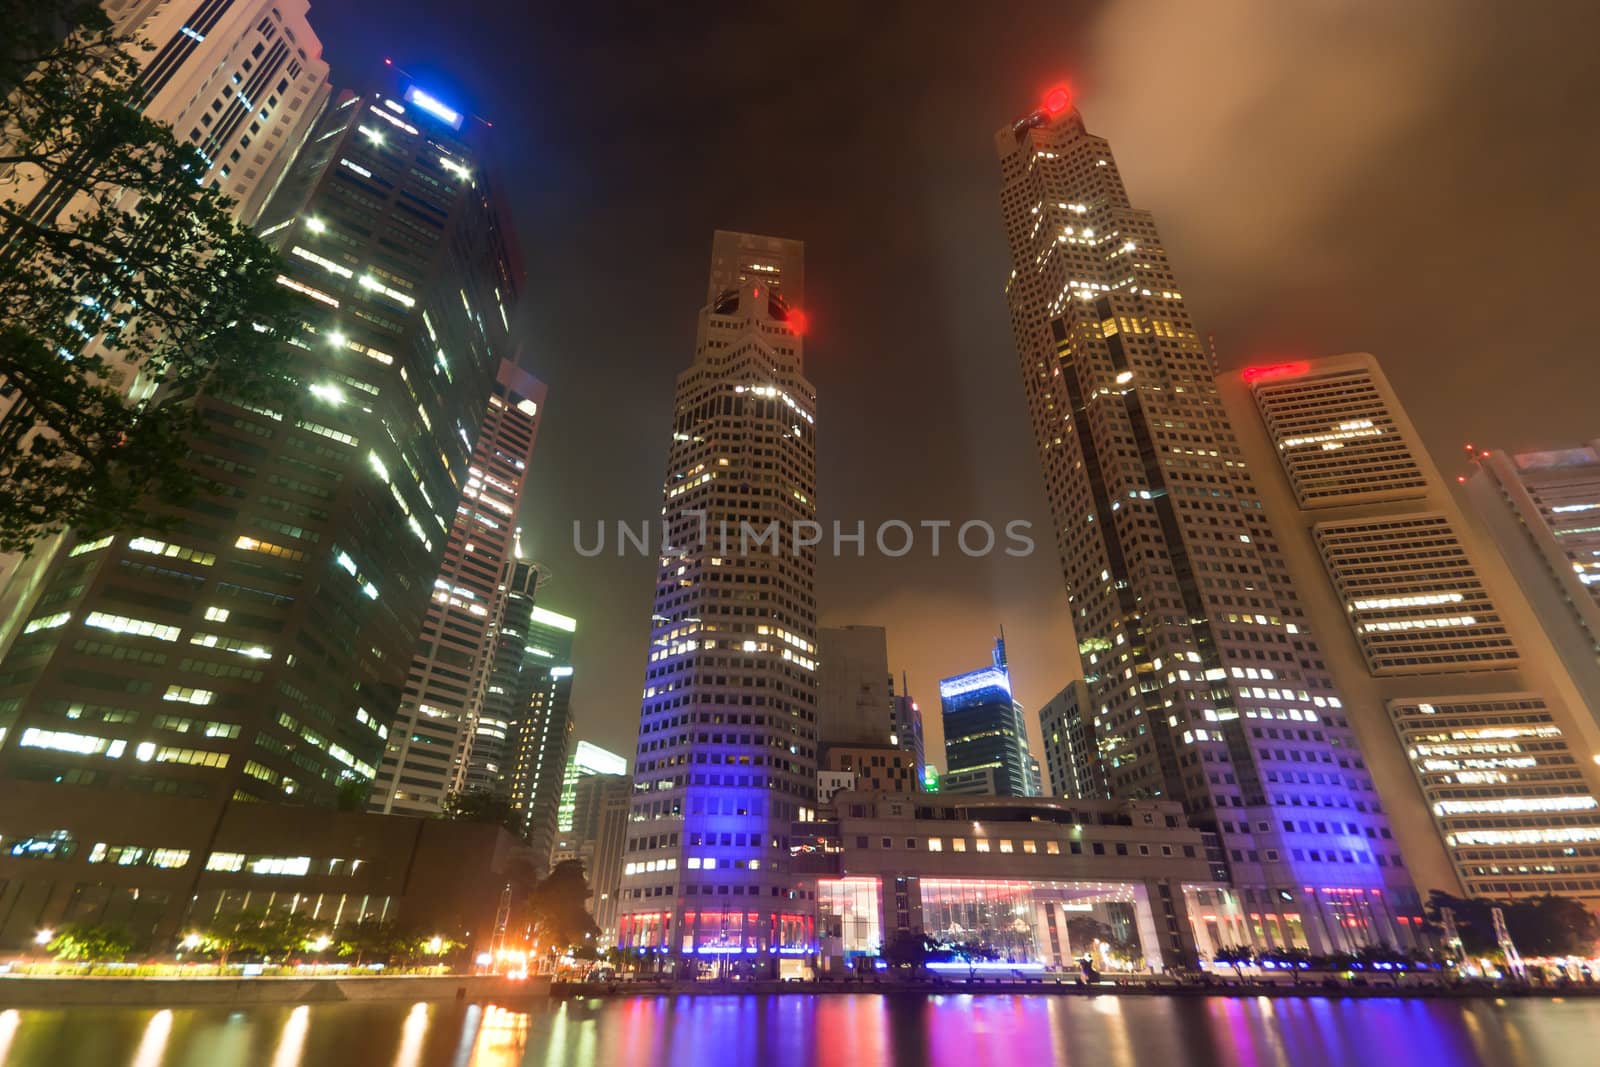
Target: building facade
(1478,741)
(1543,511)
(1069,745)
(726,759)
(242,81)
(587,759)
(158,865)
(985,734)
(425,760)
(517,746)
(907,735)
(855,692)
(1202,674)
(1036,884)
(259,647)
(600,832)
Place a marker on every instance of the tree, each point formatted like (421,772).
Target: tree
(118,267)
(255,932)
(1539,926)
(1235,956)
(480,805)
(910,950)
(557,909)
(92,942)
(973,953)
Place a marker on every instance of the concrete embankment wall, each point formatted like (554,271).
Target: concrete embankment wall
(34,992)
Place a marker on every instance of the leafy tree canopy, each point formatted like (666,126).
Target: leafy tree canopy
(95,942)
(126,288)
(557,908)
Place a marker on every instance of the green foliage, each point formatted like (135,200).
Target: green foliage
(480,805)
(910,951)
(557,909)
(92,942)
(118,271)
(375,941)
(254,932)
(1539,926)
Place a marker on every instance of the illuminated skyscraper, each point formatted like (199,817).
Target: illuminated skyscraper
(587,759)
(1451,686)
(985,734)
(1543,510)
(426,756)
(1204,682)
(907,721)
(258,648)
(521,751)
(727,732)
(242,81)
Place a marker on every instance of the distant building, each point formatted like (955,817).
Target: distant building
(1543,511)
(445,690)
(985,735)
(855,701)
(1443,672)
(907,727)
(1066,722)
(537,733)
(874,768)
(601,832)
(587,759)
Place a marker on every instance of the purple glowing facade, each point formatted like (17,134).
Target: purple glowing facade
(726,761)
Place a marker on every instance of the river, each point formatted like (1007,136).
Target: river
(801,1031)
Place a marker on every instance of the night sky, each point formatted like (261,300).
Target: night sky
(1417,180)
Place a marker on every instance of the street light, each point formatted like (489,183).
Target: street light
(435,945)
(44,937)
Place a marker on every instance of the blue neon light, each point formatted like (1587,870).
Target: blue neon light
(433,106)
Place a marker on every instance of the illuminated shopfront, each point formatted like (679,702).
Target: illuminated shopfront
(1010,924)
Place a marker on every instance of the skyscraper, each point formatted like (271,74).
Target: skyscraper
(1069,750)
(586,759)
(426,755)
(1450,684)
(259,648)
(907,721)
(242,82)
(1543,511)
(727,730)
(985,734)
(533,739)
(1202,676)
(601,832)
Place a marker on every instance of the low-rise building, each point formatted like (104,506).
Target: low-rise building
(159,865)
(1025,883)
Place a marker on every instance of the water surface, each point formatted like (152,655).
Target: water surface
(819,1031)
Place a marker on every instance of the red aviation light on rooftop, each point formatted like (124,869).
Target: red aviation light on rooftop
(1274,371)
(1057,99)
(799,321)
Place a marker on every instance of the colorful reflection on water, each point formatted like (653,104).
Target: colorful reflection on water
(817,1031)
